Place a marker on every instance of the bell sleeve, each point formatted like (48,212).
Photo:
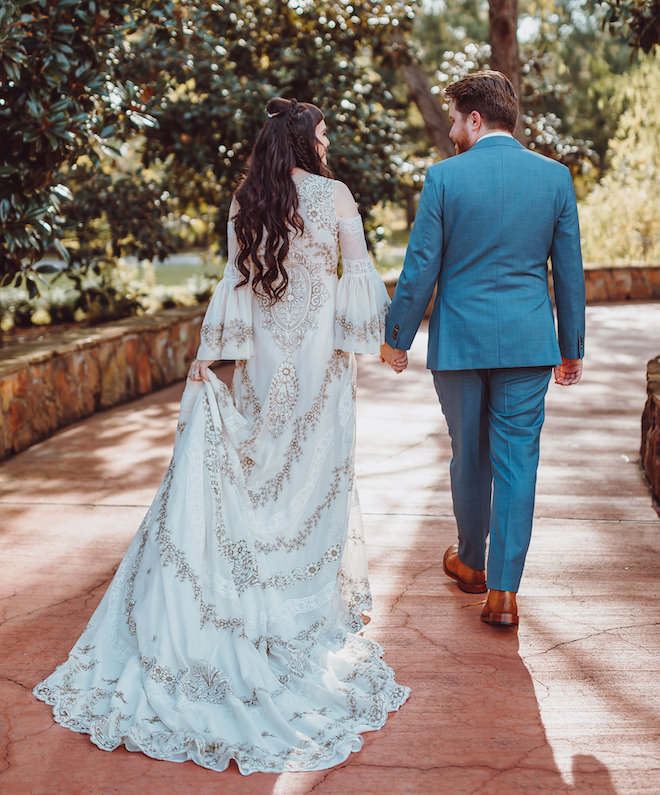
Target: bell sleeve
(226,331)
(362,299)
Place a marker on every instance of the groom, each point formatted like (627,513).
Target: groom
(486,224)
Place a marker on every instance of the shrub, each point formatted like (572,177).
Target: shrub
(620,218)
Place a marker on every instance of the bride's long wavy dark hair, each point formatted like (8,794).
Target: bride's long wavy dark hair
(266,196)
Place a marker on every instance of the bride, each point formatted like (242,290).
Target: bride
(233,626)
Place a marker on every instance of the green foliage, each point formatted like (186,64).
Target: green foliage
(620,218)
(54,59)
(637,20)
(542,128)
(445,26)
(178,90)
(568,69)
(125,125)
(127,289)
(229,59)
(571,69)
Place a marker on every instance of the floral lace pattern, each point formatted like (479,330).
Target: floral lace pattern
(282,398)
(365,331)
(232,627)
(220,337)
(291,318)
(355,267)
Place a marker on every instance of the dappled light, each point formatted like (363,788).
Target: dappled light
(130,181)
(568,703)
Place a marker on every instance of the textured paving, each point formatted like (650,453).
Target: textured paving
(568,704)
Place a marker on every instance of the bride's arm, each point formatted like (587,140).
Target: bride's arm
(226,331)
(362,299)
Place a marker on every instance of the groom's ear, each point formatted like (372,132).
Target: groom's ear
(475,121)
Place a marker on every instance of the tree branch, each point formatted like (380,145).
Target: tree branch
(419,87)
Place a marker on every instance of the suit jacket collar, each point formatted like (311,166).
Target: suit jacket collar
(497,140)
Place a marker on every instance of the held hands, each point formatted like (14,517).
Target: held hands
(397,360)
(568,372)
(198,368)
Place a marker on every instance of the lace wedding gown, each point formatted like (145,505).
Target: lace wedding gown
(231,628)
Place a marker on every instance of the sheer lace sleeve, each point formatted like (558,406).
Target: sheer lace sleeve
(362,299)
(226,331)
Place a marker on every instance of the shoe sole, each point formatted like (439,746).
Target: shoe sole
(503,619)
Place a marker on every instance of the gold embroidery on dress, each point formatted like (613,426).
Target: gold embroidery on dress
(295,315)
(302,426)
(218,336)
(282,398)
(205,683)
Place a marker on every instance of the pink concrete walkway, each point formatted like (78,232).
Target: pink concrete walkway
(569,704)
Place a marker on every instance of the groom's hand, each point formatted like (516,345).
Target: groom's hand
(397,360)
(568,372)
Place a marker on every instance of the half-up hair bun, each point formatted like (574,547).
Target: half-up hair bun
(278,106)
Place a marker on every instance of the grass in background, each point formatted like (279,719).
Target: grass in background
(183,280)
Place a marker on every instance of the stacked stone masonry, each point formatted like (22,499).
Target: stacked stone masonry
(650,452)
(54,381)
(622,284)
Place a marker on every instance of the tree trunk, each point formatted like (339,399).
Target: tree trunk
(411,210)
(503,27)
(435,118)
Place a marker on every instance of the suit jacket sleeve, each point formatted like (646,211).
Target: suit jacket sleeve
(568,277)
(421,268)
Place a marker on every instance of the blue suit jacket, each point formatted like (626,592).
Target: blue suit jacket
(488,219)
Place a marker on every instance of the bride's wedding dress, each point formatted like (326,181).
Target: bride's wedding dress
(231,629)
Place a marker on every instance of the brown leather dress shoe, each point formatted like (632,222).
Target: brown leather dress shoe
(469,580)
(500,608)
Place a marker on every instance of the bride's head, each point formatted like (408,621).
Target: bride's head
(294,132)
(293,136)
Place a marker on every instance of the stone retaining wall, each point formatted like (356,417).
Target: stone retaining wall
(49,383)
(622,284)
(52,382)
(650,451)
